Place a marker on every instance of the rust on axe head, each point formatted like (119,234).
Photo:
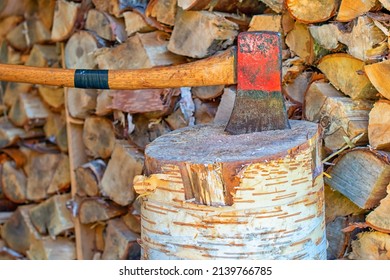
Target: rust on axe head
(259,103)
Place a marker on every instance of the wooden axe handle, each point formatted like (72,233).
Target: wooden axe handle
(215,70)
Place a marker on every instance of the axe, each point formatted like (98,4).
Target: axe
(254,65)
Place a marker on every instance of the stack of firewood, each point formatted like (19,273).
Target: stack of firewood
(69,156)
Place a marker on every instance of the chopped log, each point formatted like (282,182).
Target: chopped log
(64,22)
(40,170)
(10,134)
(225,106)
(339,242)
(176,120)
(244,6)
(81,102)
(79,50)
(276,5)
(346,73)
(158,102)
(117,7)
(205,111)
(117,183)
(13,90)
(371,46)
(9,23)
(14,183)
(46,9)
(378,131)
(47,248)
(103,103)
(301,42)
(10,8)
(377,73)
(386,4)
(100,230)
(106,26)
(53,96)
(43,56)
(191,27)
(132,222)
(350,9)
(207,92)
(338,205)
(143,50)
(61,178)
(326,35)
(120,242)
(295,90)
(134,23)
(55,130)
(27,34)
(18,232)
(97,209)
(379,219)
(51,217)
(368,186)
(371,246)
(162,11)
(339,116)
(28,111)
(98,137)
(311,11)
(88,177)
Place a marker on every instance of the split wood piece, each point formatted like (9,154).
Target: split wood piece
(379,218)
(106,26)
(18,232)
(125,163)
(346,73)
(88,177)
(207,92)
(53,96)
(158,102)
(94,210)
(339,242)
(191,27)
(378,132)
(81,102)
(176,120)
(13,91)
(295,90)
(268,22)
(132,222)
(311,11)
(52,217)
(100,230)
(386,4)
(120,242)
(301,42)
(10,134)
(98,137)
(28,111)
(40,170)
(103,103)
(46,9)
(134,23)
(371,246)
(64,21)
(163,11)
(146,130)
(372,46)
(244,6)
(276,5)
(14,183)
(225,106)
(338,205)
(326,35)
(339,115)
(55,131)
(118,7)
(370,171)
(43,56)
(223,189)
(151,50)
(27,34)
(9,23)
(10,8)
(61,178)
(47,248)
(350,9)
(205,111)
(377,73)
(79,50)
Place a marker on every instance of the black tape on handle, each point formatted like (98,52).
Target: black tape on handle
(96,79)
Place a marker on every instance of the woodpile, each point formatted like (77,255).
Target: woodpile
(69,156)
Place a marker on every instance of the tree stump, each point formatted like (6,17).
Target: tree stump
(221,196)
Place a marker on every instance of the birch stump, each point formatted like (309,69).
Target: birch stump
(211,195)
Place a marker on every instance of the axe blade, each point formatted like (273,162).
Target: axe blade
(259,104)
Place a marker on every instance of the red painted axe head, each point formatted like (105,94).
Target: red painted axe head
(259,103)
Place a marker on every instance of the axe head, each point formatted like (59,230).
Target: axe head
(259,104)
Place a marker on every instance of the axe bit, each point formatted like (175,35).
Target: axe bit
(255,67)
